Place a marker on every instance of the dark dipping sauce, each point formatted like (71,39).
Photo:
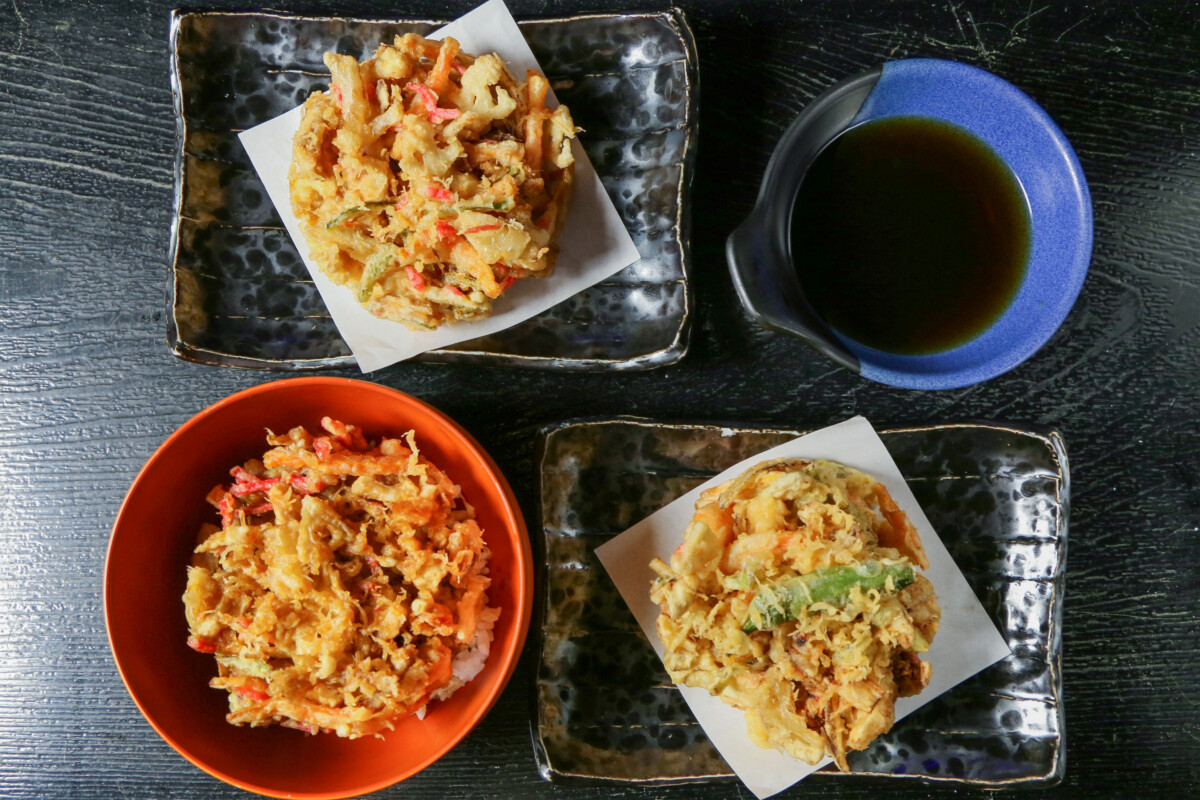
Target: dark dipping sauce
(909,235)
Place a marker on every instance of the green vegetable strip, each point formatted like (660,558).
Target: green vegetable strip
(495,205)
(355,211)
(246,666)
(778,602)
(373,270)
(345,215)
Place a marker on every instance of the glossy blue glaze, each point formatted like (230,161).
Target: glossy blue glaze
(1025,137)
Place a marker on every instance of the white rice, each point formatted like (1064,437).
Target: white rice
(470,662)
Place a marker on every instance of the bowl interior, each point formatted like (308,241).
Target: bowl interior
(145,576)
(1041,158)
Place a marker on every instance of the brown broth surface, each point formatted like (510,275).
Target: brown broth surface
(910,235)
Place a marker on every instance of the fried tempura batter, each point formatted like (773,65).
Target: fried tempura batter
(427,180)
(346,586)
(794,598)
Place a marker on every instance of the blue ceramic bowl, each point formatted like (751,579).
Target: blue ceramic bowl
(1003,118)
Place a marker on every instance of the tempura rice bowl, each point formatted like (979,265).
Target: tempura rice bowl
(145,575)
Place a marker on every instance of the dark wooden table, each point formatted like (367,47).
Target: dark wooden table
(88,388)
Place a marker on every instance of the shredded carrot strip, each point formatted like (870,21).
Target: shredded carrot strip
(414,278)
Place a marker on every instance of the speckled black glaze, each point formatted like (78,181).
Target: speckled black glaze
(999,499)
(239,295)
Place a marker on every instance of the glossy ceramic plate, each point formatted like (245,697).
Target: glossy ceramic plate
(998,497)
(239,294)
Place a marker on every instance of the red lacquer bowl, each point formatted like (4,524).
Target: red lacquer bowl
(145,575)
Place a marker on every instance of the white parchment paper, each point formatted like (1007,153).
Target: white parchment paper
(966,643)
(593,244)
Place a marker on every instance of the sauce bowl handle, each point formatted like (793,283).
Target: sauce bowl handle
(767,285)
(758,251)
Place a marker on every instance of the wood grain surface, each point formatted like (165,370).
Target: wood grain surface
(88,388)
